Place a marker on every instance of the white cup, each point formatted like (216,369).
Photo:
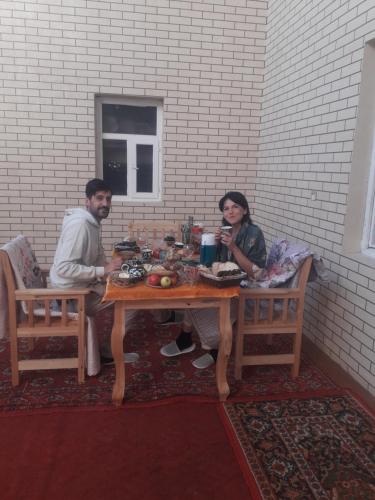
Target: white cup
(226,229)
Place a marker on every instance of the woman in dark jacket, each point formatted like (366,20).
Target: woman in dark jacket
(245,246)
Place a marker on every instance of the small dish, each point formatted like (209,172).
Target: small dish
(121,282)
(117,280)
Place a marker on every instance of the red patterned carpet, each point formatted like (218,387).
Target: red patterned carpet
(293,439)
(140,452)
(306,447)
(154,377)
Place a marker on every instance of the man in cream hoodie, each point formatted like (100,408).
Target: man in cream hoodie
(80,260)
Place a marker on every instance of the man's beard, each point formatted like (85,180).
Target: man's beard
(103,212)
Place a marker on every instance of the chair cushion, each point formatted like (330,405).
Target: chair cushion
(283,262)
(25,266)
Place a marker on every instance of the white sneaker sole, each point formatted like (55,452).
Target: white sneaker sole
(171,350)
(203,361)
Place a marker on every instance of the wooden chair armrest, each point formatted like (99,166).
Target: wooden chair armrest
(50,293)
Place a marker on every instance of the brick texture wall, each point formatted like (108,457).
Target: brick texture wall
(204,59)
(264,101)
(309,115)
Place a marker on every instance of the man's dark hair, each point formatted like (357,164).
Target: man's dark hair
(95,185)
(239,199)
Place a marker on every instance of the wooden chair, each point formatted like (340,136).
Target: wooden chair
(32,310)
(265,319)
(152,230)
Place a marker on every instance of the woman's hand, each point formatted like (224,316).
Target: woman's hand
(225,238)
(228,241)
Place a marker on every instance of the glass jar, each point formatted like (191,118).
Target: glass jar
(196,236)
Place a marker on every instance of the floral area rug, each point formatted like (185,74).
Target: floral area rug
(300,447)
(154,377)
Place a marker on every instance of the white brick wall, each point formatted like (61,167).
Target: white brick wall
(309,111)
(205,59)
(282,134)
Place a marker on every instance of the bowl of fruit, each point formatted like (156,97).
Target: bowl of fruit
(159,277)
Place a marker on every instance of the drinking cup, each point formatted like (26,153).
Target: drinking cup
(162,254)
(196,235)
(190,274)
(226,229)
(188,251)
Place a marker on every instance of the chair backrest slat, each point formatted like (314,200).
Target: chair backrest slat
(270,310)
(64,312)
(256,310)
(285,309)
(47,313)
(152,230)
(30,312)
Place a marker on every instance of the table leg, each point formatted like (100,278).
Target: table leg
(117,337)
(225,348)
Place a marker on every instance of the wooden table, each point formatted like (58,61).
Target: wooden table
(199,296)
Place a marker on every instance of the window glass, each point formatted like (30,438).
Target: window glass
(124,119)
(144,168)
(371,203)
(115,165)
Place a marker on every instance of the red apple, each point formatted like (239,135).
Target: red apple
(154,280)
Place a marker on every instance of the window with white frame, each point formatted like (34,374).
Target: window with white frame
(129,146)
(368,241)
(359,234)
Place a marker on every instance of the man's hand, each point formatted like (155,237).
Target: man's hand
(113,265)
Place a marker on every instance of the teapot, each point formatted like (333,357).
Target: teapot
(136,272)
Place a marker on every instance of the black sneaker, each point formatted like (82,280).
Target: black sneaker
(106,361)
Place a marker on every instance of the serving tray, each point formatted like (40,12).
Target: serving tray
(223,281)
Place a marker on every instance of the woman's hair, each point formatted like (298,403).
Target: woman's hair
(95,185)
(239,199)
